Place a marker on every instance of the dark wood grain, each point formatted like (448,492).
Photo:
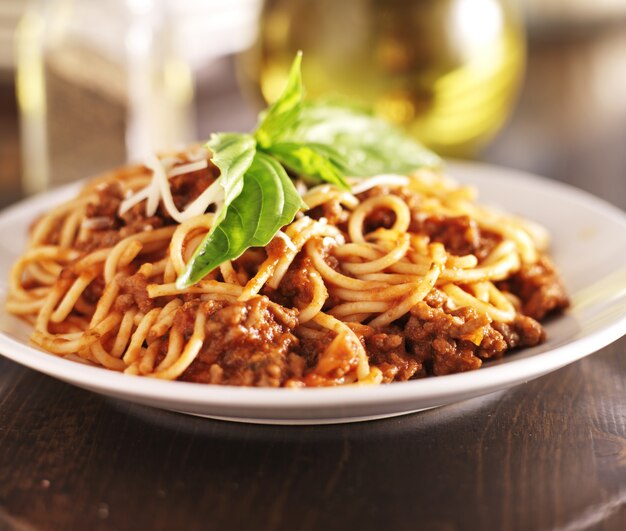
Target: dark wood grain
(548,454)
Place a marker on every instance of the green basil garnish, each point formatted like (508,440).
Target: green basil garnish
(313,161)
(232,154)
(268,201)
(368,145)
(281,114)
(320,141)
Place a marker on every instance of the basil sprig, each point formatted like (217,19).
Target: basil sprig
(320,141)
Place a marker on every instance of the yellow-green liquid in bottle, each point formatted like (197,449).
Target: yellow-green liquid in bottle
(446,70)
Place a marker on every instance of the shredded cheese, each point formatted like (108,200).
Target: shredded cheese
(288,241)
(188,168)
(134,199)
(159,190)
(214,194)
(96,223)
(360,185)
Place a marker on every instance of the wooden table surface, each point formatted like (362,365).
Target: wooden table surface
(548,454)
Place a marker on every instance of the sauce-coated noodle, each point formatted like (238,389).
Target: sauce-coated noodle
(405,279)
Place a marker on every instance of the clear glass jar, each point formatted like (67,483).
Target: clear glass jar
(98,83)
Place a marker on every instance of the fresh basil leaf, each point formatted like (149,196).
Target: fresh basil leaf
(368,145)
(319,140)
(312,160)
(232,154)
(284,110)
(267,202)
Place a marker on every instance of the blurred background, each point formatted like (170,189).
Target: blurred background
(538,85)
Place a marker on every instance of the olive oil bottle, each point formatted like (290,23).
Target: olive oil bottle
(446,70)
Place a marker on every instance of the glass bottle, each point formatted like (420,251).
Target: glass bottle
(446,70)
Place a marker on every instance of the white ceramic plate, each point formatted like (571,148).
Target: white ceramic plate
(589,247)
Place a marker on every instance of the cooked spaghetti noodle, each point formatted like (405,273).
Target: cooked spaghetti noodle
(403,278)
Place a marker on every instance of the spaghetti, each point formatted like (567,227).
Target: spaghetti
(403,278)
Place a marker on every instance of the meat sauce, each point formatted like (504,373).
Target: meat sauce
(257,342)
(247,343)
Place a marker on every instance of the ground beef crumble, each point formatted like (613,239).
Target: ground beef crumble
(250,343)
(387,351)
(332,211)
(539,288)
(460,235)
(460,340)
(296,290)
(135,286)
(111,228)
